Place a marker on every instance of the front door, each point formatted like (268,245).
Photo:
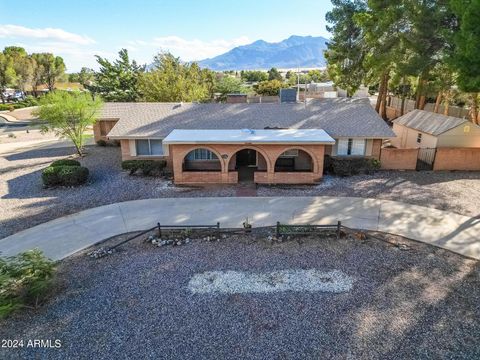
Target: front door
(246,157)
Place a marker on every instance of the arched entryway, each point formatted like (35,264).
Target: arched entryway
(294,160)
(246,162)
(201,159)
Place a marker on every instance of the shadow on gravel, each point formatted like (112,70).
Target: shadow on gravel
(41,153)
(418,319)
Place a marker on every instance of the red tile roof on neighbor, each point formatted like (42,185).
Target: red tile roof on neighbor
(338,117)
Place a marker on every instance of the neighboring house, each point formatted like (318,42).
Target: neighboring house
(225,143)
(424,129)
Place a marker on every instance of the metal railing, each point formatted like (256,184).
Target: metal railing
(159,228)
(280,230)
(293,229)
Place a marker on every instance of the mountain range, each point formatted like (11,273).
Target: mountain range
(296,51)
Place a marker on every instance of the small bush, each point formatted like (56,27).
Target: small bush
(24,280)
(29,101)
(346,166)
(50,176)
(65,162)
(73,175)
(147,167)
(101,142)
(65,175)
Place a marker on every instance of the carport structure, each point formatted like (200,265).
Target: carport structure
(273,156)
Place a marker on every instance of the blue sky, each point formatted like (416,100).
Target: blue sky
(193,30)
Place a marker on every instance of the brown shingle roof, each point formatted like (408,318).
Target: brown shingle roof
(338,117)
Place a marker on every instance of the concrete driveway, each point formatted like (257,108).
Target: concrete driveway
(64,236)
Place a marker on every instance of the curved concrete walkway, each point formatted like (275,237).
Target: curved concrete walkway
(64,236)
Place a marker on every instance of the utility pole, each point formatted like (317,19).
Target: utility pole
(305,94)
(298,84)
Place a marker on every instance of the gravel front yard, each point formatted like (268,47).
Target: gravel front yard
(25,203)
(139,303)
(452,191)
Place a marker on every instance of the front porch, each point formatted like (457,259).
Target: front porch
(254,160)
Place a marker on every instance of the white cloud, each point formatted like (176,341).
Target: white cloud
(187,50)
(16,31)
(75,56)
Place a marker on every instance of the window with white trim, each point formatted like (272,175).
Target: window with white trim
(354,147)
(289,153)
(149,147)
(201,154)
(419,138)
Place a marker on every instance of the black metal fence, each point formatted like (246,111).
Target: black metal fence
(280,230)
(185,227)
(289,229)
(159,228)
(426,158)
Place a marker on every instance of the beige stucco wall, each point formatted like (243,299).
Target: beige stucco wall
(407,138)
(461,137)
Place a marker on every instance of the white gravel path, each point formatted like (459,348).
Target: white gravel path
(238,282)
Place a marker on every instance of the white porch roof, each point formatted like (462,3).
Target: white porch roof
(250,136)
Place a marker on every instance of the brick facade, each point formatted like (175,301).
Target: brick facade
(267,154)
(376,148)
(457,159)
(398,159)
(126,155)
(101,128)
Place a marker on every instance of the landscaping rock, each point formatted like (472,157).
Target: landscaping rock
(99,253)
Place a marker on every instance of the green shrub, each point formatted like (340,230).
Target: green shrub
(375,164)
(50,176)
(348,166)
(73,175)
(65,162)
(24,280)
(65,175)
(147,167)
(131,165)
(29,101)
(101,142)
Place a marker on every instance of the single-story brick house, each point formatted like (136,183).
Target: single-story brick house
(225,143)
(424,129)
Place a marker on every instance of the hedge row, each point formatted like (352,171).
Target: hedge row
(29,101)
(147,167)
(65,173)
(343,166)
(104,143)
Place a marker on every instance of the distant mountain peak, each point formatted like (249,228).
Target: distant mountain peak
(296,51)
